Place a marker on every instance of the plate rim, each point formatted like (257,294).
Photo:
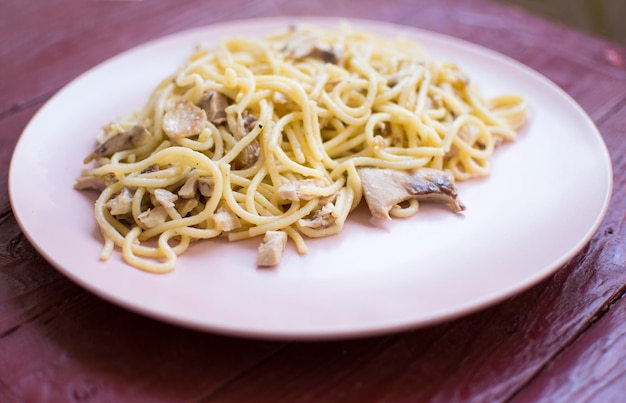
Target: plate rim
(469,307)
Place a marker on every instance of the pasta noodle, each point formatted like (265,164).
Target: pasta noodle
(259,136)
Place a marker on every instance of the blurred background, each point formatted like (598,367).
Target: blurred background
(600,17)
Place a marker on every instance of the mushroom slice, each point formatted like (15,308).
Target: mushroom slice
(184,120)
(325,55)
(153,217)
(271,249)
(152,168)
(247,122)
(90,182)
(121,204)
(131,138)
(304,44)
(384,188)
(214,104)
(248,156)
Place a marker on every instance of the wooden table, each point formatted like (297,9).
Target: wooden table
(562,340)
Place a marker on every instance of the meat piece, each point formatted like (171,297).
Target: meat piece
(165,197)
(131,138)
(381,129)
(248,121)
(205,186)
(303,44)
(214,105)
(188,190)
(290,191)
(248,156)
(280,99)
(271,249)
(153,217)
(185,206)
(224,220)
(297,190)
(384,188)
(152,168)
(184,120)
(121,204)
(90,182)
(322,218)
(324,55)
(195,184)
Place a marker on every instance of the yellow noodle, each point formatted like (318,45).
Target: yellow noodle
(305,107)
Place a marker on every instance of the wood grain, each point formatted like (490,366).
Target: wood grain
(562,340)
(597,355)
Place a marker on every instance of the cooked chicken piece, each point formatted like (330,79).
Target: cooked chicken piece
(296,190)
(280,99)
(184,120)
(153,217)
(322,218)
(271,249)
(165,197)
(185,206)
(215,104)
(188,190)
(384,188)
(90,182)
(195,184)
(131,138)
(205,186)
(290,191)
(224,220)
(121,204)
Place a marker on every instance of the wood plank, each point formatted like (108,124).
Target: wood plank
(466,360)
(86,40)
(594,367)
(486,28)
(469,359)
(83,44)
(11,127)
(592,370)
(60,343)
(87,349)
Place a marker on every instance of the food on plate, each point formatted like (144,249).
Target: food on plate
(282,136)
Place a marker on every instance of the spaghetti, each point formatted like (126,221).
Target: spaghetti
(265,136)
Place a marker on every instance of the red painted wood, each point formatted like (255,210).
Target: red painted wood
(11,127)
(561,340)
(593,369)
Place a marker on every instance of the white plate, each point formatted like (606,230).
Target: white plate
(546,197)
